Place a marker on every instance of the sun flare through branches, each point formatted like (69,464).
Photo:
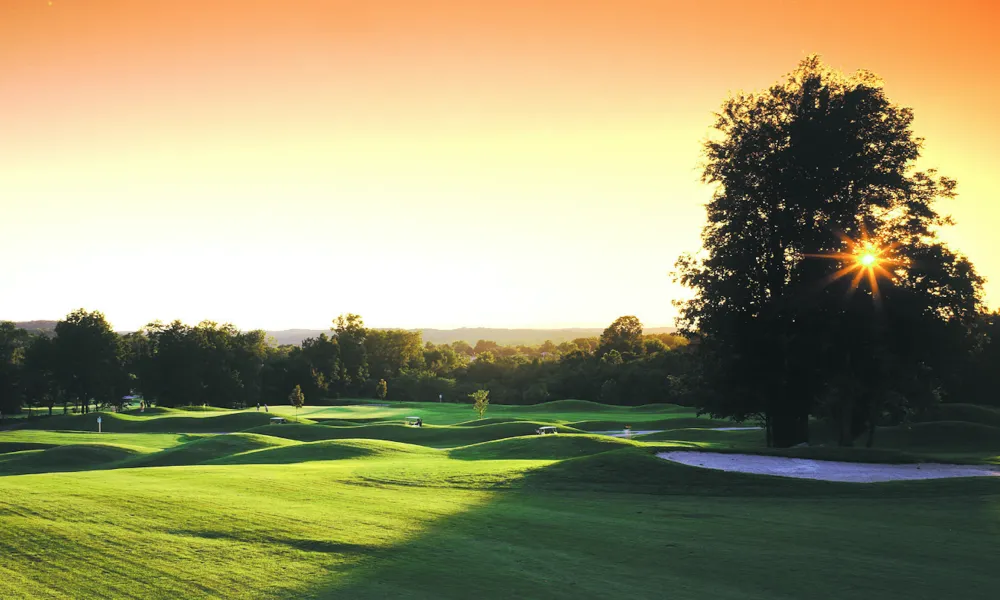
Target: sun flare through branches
(864,259)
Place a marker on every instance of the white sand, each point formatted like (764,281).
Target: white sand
(826,470)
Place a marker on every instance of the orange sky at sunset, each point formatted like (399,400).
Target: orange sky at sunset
(424,164)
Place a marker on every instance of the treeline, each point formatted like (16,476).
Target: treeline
(83,362)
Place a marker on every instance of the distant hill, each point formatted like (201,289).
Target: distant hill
(504,337)
(470,335)
(37,326)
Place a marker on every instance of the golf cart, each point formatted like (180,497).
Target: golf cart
(414,421)
(278,420)
(546,430)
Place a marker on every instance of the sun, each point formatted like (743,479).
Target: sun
(865,260)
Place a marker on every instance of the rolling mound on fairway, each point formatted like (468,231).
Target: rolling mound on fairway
(678,423)
(953,436)
(569,406)
(970,413)
(6,447)
(304,432)
(486,421)
(209,448)
(428,435)
(323,450)
(173,422)
(745,439)
(540,447)
(662,408)
(73,457)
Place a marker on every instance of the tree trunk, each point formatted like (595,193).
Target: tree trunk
(871,426)
(846,434)
(789,430)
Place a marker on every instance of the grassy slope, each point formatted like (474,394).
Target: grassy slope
(72,457)
(428,435)
(418,525)
(209,448)
(159,422)
(567,516)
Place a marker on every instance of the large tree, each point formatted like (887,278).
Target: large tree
(800,170)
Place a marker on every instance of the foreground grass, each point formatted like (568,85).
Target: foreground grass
(467,508)
(427,526)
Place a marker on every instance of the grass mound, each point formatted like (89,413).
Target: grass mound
(662,408)
(323,450)
(72,457)
(428,435)
(209,448)
(486,421)
(569,406)
(743,439)
(540,447)
(970,413)
(7,447)
(172,422)
(678,423)
(951,436)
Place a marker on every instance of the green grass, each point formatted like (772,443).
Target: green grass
(158,422)
(535,447)
(209,448)
(323,450)
(428,435)
(480,509)
(970,413)
(72,457)
(679,422)
(42,438)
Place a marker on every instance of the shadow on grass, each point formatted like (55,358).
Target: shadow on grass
(625,524)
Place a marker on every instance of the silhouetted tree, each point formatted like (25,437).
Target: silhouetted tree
(796,167)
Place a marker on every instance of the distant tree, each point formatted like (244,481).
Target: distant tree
(351,333)
(390,351)
(12,343)
(381,389)
(653,345)
(88,358)
(297,399)
(480,401)
(613,358)
(609,392)
(486,346)
(38,381)
(463,347)
(589,344)
(624,335)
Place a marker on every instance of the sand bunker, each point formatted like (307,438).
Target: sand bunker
(826,470)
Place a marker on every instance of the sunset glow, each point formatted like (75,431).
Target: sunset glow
(424,163)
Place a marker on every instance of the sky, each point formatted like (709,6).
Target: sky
(448,163)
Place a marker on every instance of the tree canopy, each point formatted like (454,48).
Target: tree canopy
(809,175)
